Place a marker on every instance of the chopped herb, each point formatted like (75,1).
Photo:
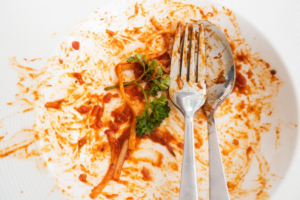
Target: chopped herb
(152,66)
(138,58)
(152,116)
(160,84)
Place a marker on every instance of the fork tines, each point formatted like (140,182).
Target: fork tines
(188,56)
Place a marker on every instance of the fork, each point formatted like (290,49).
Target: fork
(188,92)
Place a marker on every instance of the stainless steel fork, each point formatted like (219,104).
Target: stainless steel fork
(188,93)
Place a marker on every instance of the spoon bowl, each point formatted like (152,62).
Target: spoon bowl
(219,63)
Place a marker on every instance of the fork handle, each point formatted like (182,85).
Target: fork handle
(217,181)
(188,184)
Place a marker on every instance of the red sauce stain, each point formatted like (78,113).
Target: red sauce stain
(236,142)
(248,152)
(107,97)
(241,106)
(174,166)
(250,74)
(273,72)
(60,61)
(121,116)
(146,174)
(240,82)
(243,57)
(157,163)
(78,76)
(231,186)
(110,196)
(83,109)
(110,33)
(55,104)
(180,145)
(82,177)
(134,92)
(164,138)
(97,112)
(32,60)
(199,85)
(82,142)
(136,11)
(28,110)
(26,68)
(138,71)
(12,149)
(114,127)
(203,15)
(76,45)
(221,79)
(277,142)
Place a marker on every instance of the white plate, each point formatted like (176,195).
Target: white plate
(26,30)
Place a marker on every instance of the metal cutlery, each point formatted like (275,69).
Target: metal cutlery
(193,84)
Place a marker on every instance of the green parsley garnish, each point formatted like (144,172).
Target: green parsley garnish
(157,110)
(152,116)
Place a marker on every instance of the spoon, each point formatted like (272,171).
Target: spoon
(219,86)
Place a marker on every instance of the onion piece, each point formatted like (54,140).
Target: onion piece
(121,159)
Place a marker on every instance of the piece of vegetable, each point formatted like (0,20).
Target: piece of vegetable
(121,159)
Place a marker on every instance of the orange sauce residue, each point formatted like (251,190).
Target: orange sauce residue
(13,149)
(28,110)
(277,142)
(78,76)
(83,109)
(55,104)
(82,177)
(157,163)
(60,61)
(110,196)
(236,142)
(76,45)
(107,97)
(32,60)
(136,10)
(174,166)
(146,174)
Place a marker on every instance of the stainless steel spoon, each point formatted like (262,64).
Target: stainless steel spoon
(220,59)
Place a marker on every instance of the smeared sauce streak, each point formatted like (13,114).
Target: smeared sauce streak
(55,104)
(146,174)
(12,149)
(78,76)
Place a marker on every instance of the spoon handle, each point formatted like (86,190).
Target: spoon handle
(188,184)
(217,181)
